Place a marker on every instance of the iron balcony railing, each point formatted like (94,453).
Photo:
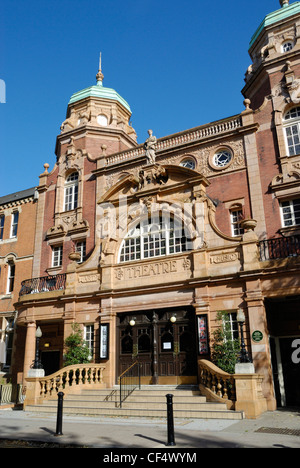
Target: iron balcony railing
(43,284)
(281,247)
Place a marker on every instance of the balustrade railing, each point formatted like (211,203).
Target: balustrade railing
(217,382)
(43,284)
(200,133)
(129,381)
(79,375)
(281,247)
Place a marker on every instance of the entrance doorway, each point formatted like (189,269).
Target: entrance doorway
(50,361)
(284,326)
(163,342)
(286,370)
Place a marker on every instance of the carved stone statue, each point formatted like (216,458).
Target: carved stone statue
(149,146)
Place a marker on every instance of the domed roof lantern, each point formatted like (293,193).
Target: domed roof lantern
(99,91)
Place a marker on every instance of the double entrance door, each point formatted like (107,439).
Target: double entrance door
(163,342)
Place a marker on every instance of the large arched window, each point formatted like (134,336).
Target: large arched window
(292,130)
(71,192)
(154,237)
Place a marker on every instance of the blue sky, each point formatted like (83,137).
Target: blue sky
(178,64)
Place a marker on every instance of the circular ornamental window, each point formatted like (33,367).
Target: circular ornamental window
(222,159)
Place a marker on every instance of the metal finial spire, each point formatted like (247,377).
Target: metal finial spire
(100,75)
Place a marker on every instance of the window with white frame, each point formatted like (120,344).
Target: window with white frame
(71,192)
(11,278)
(231,325)
(14,224)
(9,329)
(57,253)
(290,212)
(236,215)
(292,130)
(89,338)
(2,219)
(155,237)
(81,248)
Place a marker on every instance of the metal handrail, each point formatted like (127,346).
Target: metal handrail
(43,284)
(280,247)
(129,380)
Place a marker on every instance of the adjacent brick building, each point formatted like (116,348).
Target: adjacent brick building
(17,228)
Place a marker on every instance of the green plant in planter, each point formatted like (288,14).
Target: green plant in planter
(77,351)
(225,349)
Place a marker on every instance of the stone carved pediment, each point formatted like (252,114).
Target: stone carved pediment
(56,231)
(150,178)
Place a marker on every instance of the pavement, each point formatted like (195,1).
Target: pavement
(21,429)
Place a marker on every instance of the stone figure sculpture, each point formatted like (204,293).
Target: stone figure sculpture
(149,146)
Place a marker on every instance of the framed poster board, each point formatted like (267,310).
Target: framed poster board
(104,340)
(202,334)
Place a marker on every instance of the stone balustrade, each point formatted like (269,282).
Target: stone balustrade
(69,380)
(240,392)
(190,136)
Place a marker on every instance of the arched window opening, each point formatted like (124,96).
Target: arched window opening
(155,237)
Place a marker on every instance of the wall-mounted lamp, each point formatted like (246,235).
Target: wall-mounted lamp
(173,318)
(37,364)
(132,322)
(240,316)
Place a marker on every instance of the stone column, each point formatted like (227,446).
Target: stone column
(260,350)
(29,348)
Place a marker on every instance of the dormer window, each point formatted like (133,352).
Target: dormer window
(71,192)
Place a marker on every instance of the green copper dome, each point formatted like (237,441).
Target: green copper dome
(284,12)
(99,91)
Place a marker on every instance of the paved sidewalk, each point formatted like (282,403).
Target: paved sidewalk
(279,429)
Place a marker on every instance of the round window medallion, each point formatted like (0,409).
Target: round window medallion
(189,163)
(102,120)
(222,159)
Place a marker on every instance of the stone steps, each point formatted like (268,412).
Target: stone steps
(146,402)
